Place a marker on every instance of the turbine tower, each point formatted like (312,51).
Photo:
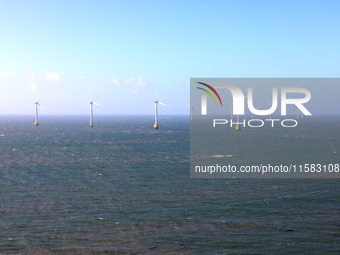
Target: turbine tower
(36,121)
(155,107)
(191,110)
(237,127)
(91,111)
(191,105)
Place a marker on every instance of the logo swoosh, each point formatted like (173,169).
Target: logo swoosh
(209,94)
(212,90)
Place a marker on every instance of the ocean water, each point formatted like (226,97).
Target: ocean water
(124,188)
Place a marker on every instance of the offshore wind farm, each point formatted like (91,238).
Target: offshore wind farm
(92,103)
(79,178)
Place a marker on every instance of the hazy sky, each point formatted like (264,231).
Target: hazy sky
(58,51)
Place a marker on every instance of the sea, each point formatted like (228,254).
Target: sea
(122,187)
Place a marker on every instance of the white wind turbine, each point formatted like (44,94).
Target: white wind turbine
(270,102)
(36,119)
(297,114)
(191,110)
(155,107)
(91,110)
(270,116)
(237,126)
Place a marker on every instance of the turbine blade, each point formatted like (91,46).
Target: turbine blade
(156,96)
(97,104)
(153,108)
(164,104)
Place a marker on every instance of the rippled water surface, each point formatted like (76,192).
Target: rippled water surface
(124,188)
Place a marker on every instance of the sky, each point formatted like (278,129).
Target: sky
(64,53)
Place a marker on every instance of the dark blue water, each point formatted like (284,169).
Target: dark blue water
(124,188)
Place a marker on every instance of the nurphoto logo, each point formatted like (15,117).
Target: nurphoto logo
(238,104)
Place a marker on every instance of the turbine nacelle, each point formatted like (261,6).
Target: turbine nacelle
(94,103)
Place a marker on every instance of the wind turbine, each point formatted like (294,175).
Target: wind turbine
(297,114)
(237,127)
(191,110)
(91,111)
(155,107)
(270,102)
(36,120)
(270,116)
